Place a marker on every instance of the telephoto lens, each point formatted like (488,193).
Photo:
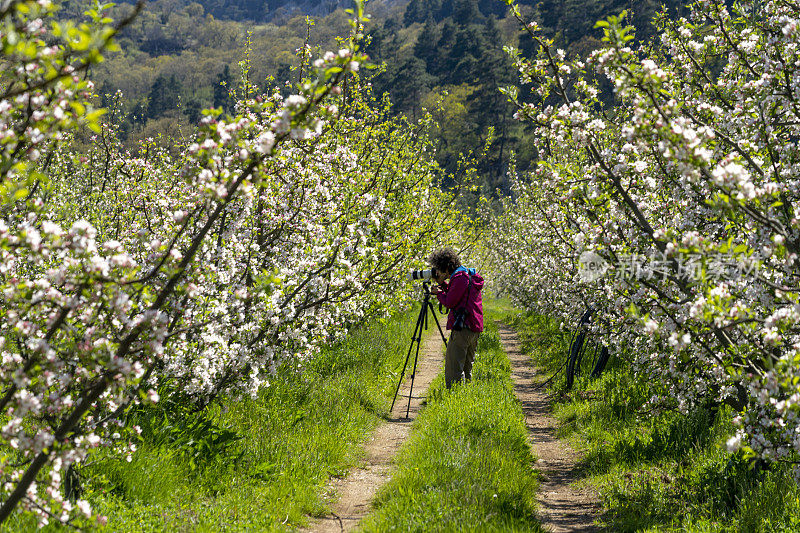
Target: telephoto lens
(422,274)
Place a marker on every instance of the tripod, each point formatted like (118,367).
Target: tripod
(416,338)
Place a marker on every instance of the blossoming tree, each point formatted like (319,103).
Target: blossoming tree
(672,210)
(125,275)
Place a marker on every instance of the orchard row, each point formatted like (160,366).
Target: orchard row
(673,213)
(194,271)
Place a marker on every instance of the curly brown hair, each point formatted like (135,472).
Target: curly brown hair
(445,260)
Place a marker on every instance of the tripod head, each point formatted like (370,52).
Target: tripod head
(426,292)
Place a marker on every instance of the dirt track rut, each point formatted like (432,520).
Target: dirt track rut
(562,506)
(355,492)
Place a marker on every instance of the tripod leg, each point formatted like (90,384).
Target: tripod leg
(441,332)
(417,333)
(424,317)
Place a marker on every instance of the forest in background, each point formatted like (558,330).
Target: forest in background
(445,57)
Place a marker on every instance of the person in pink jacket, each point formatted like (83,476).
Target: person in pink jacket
(459,290)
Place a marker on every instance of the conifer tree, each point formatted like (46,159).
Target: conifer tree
(164,95)
(423,50)
(411,85)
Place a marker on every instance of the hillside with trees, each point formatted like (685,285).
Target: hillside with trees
(443,57)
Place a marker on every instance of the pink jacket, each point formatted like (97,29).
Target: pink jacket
(459,292)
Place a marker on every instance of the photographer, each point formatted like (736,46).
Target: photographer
(460,291)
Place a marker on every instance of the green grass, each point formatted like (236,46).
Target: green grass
(659,471)
(252,464)
(467,465)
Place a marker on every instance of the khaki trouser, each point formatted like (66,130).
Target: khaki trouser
(460,356)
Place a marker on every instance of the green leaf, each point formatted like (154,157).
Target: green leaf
(79,108)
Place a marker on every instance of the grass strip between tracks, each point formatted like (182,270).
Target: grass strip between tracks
(467,465)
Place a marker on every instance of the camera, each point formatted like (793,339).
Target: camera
(422,274)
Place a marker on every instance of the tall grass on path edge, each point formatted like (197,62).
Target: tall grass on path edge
(251,464)
(659,471)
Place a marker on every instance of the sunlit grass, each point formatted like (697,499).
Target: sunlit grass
(255,464)
(467,465)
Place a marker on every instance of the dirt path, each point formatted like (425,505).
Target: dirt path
(355,492)
(562,506)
